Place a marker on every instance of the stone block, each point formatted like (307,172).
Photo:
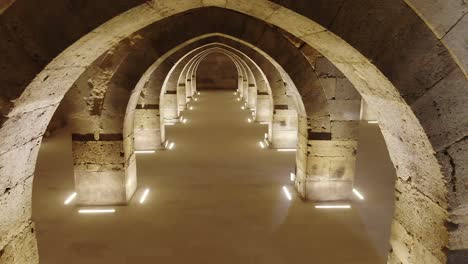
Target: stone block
(439,15)
(16,210)
(456,40)
(332,148)
(329,87)
(344,110)
(331,190)
(425,222)
(344,130)
(443,111)
(345,90)
(22,248)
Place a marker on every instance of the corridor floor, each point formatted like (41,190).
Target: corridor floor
(215,198)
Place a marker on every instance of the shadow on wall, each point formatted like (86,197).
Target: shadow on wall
(375,178)
(217,71)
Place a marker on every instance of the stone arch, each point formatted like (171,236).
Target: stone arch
(416,162)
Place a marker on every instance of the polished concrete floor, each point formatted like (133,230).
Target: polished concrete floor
(215,198)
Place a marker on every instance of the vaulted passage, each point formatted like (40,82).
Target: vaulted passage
(216,197)
(361,104)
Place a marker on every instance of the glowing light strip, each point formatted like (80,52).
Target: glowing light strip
(266,136)
(287,193)
(96,211)
(171,146)
(262,145)
(144,151)
(292,176)
(144,195)
(372,122)
(166,143)
(169,124)
(70,198)
(358,194)
(340,206)
(286,150)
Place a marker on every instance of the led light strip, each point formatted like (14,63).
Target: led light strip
(171,145)
(292,176)
(70,198)
(358,194)
(286,150)
(339,206)
(144,151)
(287,193)
(144,195)
(96,211)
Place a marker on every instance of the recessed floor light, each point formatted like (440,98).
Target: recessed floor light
(249,120)
(97,211)
(358,194)
(70,198)
(144,195)
(144,151)
(333,206)
(238,99)
(292,176)
(287,193)
(262,145)
(171,145)
(191,108)
(242,107)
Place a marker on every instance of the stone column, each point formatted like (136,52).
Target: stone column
(147,127)
(263,113)
(103,176)
(284,130)
(181,95)
(252,99)
(169,106)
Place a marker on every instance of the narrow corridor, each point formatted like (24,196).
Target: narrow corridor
(216,197)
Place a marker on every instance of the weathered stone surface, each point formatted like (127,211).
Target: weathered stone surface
(418,220)
(17,202)
(344,130)
(344,110)
(439,15)
(22,248)
(456,40)
(443,110)
(345,90)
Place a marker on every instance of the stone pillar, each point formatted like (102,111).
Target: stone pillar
(194,84)
(284,129)
(264,108)
(240,82)
(147,127)
(103,176)
(188,92)
(252,99)
(169,107)
(181,95)
(325,167)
